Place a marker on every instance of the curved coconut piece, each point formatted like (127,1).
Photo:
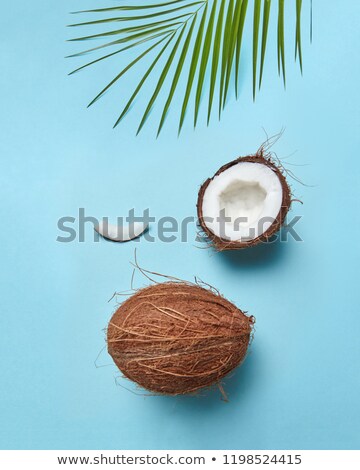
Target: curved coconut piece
(175,337)
(244,203)
(121,233)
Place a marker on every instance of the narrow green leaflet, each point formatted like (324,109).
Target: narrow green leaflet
(204,60)
(139,17)
(298,33)
(131,29)
(266,16)
(256,26)
(129,7)
(134,44)
(145,76)
(193,66)
(161,79)
(226,42)
(238,43)
(126,39)
(177,73)
(123,72)
(281,40)
(215,57)
(232,45)
(311,20)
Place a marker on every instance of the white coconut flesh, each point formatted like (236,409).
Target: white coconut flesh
(242,202)
(121,233)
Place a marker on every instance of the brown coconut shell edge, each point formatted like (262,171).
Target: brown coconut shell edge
(222,244)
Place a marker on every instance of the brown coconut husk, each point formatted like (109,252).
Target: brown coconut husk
(263,157)
(176,337)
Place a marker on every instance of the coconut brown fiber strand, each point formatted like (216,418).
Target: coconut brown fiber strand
(176,337)
(222,244)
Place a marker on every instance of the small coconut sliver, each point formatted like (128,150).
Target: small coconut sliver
(176,338)
(244,203)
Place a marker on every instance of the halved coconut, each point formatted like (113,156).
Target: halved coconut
(244,203)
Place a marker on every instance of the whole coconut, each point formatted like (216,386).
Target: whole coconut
(175,338)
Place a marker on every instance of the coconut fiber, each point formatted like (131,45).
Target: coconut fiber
(176,337)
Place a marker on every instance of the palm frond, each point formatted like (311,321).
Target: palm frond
(209,33)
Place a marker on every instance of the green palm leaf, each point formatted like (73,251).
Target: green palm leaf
(202,37)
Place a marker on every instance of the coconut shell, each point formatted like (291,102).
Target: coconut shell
(176,338)
(222,244)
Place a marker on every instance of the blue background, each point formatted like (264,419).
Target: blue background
(300,385)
